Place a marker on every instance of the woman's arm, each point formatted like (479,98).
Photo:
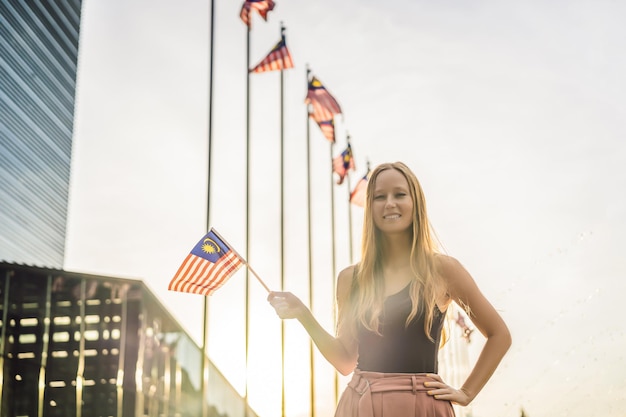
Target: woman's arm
(340,351)
(464,291)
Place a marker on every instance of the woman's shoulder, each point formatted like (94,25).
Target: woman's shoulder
(451,271)
(345,280)
(347,275)
(443,260)
(349,270)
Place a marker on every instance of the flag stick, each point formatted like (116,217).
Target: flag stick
(241,258)
(257,276)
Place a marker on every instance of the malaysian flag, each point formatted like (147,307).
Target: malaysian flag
(261,6)
(357,197)
(328,129)
(467,332)
(343,163)
(324,106)
(278,59)
(207,267)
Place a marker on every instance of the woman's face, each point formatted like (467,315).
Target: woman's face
(392,206)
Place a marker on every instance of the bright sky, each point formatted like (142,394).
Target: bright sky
(510,113)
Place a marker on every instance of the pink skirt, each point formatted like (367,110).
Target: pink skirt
(377,394)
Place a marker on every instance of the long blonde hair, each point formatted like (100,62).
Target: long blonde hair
(367,295)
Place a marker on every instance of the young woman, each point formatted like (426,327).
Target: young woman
(391,309)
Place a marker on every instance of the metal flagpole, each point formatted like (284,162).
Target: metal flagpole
(308,179)
(333,255)
(282,227)
(247,298)
(204,382)
(350,240)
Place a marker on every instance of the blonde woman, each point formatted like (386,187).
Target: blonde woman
(391,309)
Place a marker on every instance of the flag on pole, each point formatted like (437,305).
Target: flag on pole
(324,106)
(357,197)
(207,267)
(261,6)
(328,129)
(467,332)
(278,59)
(343,163)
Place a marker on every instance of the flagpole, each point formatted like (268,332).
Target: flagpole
(350,244)
(324,108)
(282,226)
(351,260)
(204,381)
(280,59)
(350,241)
(310,272)
(248,191)
(333,256)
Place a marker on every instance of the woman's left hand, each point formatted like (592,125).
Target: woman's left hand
(442,391)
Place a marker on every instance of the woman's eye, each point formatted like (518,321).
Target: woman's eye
(379,197)
(401,195)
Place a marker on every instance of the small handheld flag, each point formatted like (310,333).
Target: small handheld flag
(208,266)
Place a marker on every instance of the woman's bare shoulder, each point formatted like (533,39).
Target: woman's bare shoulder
(344,281)
(451,270)
(444,260)
(458,281)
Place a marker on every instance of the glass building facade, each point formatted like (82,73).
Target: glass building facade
(38,61)
(73,344)
(84,345)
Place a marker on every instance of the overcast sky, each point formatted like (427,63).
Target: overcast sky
(510,113)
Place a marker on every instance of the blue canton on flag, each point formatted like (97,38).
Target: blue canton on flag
(208,266)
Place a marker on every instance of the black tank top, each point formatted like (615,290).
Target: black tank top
(399,348)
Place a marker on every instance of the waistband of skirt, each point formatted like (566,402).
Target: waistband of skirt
(363,381)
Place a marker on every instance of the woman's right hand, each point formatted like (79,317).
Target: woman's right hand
(287,305)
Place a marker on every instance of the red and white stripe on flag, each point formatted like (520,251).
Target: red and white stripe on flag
(319,112)
(324,106)
(357,197)
(261,6)
(196,275)
(328,129)
(277,60)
